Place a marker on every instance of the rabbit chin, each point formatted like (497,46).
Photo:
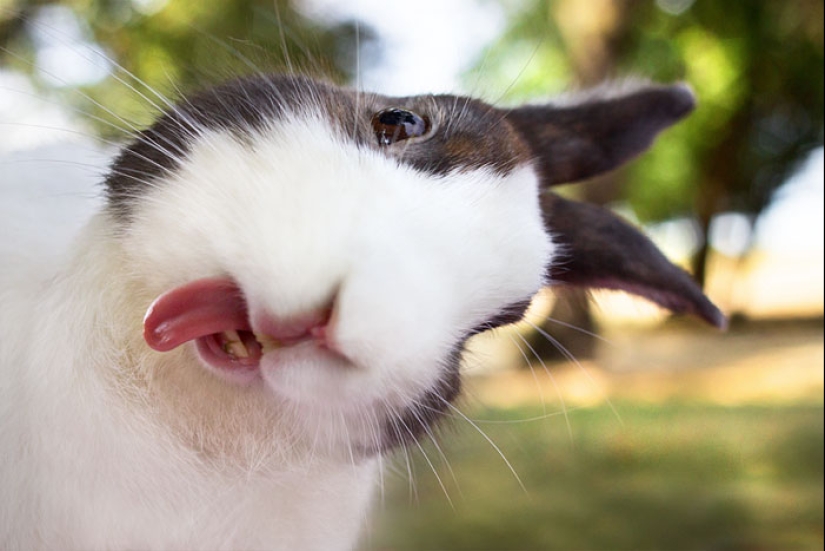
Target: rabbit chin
(340,404)
(353,414)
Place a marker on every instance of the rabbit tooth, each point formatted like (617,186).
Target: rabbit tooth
(268,344)
(233,345)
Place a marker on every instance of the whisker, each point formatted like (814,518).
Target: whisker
(181,119)
(567,354)
(521,72)
(357,78)
(429,462)
(348,438)
(438,449)
(255,69)
(70,108)
(392,423)
(489,441)
(555,385)
(40,160)
(282,38)
(190,128)
(129,125)
(479,72)
(575,328)
(413,488)
(374,426)
(529,364)
(525,420)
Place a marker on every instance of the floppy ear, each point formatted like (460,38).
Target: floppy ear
(597,248)
(600,250)
(581,140)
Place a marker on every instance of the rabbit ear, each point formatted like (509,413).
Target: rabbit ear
(598,249)
(581,140)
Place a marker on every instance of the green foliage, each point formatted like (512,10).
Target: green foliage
(177,46)
(527,61)
(757,69)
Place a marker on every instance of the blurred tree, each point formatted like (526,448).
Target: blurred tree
(757,68)
(172,47)
(590,35)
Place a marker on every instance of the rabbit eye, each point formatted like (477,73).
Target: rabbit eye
(394,125)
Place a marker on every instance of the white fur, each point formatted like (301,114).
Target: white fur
(106,444)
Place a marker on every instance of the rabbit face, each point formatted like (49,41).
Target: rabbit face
(341,273)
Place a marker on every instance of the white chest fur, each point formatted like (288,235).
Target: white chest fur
(89,462)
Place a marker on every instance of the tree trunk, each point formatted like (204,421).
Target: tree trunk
(592,44)
(568,331)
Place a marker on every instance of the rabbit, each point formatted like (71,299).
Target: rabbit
(276,294)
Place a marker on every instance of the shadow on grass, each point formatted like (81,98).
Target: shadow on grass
(672,477)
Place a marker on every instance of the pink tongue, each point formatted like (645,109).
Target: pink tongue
(194,310)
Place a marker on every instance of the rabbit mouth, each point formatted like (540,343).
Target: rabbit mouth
(213,313)
(245,348)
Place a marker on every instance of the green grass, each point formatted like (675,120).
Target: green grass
(665,477)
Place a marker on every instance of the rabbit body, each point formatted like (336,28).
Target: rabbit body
(110,444)
(278,292)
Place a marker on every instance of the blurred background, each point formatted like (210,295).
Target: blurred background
(599,422)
